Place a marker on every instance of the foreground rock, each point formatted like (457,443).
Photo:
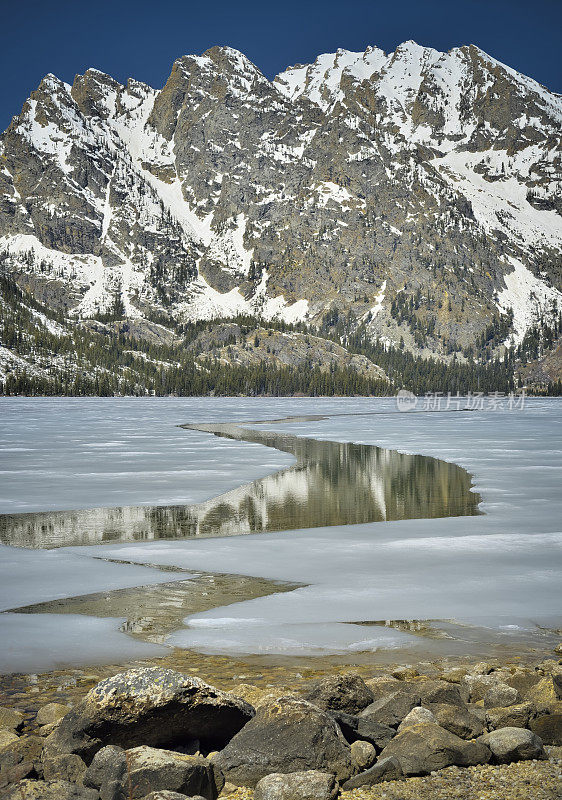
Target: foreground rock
(513,744)
(309,785)
(154,707)
(423,748)
(347,693)
(286,735)
(134,773)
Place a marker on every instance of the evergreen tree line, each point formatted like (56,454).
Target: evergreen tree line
(83,362)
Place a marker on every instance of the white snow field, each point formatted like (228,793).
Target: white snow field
(500,571)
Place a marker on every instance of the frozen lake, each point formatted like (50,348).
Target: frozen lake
(497,572)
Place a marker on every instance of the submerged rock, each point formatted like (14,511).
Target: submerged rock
(286,735)
(149,706)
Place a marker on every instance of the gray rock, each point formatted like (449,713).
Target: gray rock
(386,769)
(149,706)
(308,785)
(347,693)
(391,709)
(501,695)
(421,749)
(286,735)
(458,720)
(513,744)
(363,755)
(48,790)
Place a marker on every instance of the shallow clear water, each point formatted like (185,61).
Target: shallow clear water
(499,571)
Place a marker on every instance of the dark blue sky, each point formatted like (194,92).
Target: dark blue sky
(141,38)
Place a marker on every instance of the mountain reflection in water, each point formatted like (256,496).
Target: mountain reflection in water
(331,483)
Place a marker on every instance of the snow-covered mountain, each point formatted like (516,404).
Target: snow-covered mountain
(416,191)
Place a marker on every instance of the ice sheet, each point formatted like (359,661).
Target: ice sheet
(499,569)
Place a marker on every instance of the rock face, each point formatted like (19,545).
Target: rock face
(423,748)
(346,693)
(309,785)
(513,744)
(356,728)
(435,207)
(150,706)
(286,735)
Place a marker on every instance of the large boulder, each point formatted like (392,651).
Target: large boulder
(356,728)
(309,785)
(48,790)
(513,744)
(386,769)
(286,735)
(149,706)
(391,709)
(347,693)
(421,749)
(457,719)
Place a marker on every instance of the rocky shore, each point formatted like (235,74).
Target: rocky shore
(436,731)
